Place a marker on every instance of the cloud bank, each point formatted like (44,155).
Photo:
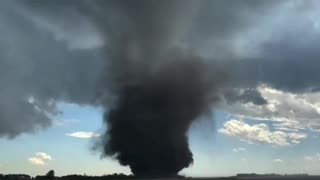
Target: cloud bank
(260,134)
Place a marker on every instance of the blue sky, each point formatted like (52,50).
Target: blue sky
(215,154)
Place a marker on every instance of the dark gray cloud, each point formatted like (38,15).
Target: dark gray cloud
(287,64)
(57,56)
(291,65)
(36,71)
(244,96)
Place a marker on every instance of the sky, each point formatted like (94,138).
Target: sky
(52,56)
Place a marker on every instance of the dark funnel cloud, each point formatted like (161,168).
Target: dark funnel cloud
(148,124)
(158,91)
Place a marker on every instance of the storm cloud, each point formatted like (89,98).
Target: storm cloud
(91,50)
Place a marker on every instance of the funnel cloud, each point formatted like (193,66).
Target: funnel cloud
(159,91)
(148,125)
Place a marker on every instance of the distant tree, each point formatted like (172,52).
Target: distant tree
(41,178)
(50,174)
(16,177)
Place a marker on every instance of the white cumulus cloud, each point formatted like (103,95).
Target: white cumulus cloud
(37,161)
(40,159)
(43,156)
(260,134)
(83,135)
(287,111)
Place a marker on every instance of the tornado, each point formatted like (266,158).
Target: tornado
(156,89)
(147,126)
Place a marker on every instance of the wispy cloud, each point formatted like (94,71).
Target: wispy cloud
(240,149)
(83,135)
(40,159)
(312,158)
(64,122)
(277,161)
